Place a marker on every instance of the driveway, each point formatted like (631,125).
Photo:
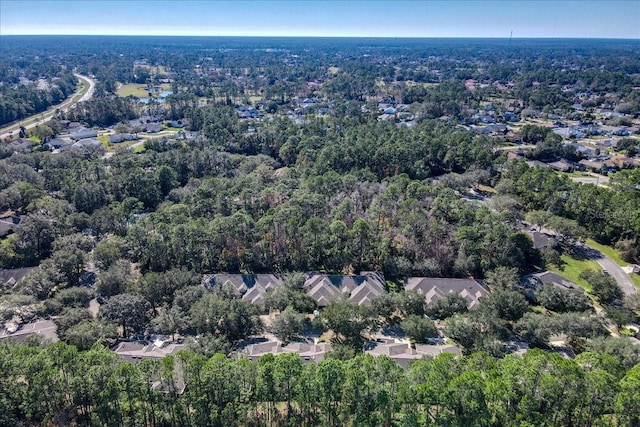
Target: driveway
(615,271)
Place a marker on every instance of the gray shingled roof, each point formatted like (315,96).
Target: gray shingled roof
(251,287)
(45,328)
(307,352)
(433,288)
(13,276)
(404,354)
(548,277)
(358,289)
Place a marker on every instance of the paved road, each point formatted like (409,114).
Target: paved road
(615,271)
(48,115)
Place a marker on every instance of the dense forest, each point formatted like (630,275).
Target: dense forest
(59,385)
(319,155)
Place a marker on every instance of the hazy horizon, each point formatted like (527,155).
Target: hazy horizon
(617,19)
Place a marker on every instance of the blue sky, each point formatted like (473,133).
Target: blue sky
(453,18)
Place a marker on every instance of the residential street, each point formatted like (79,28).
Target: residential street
(48,115)
(618,274)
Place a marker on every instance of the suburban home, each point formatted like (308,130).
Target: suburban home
(404,354)
(511,117)
(43,328)
(592,165)
(434,288)
(152,127)
(21,145)
(86,143)
(582,149)
(563,165)
(8,225)
(569,132)
(10,277)
(83,133)
(537,164)
(250,287)
(133,351)
(245,112)
(542,240)
(117,138)
(56,144)
(547,277)
(307,352)
(622,162)
(495,129)
(358,289)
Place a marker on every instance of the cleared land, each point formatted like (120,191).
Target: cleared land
(138,90)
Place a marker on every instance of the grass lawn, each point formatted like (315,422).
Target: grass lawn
(139,149)
(171,129)
(572,269)
(134,89)
(104,140)
(608,251)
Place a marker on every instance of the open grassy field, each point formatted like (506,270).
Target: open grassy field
(137,90)
(572,269)
(132,89)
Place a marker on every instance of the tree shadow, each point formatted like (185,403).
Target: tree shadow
(393,330)
(582,252)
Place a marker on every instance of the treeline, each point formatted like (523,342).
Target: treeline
(19,101)
(58,385)
(609,215)
(103,111)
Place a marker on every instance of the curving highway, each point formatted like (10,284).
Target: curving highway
(40,118)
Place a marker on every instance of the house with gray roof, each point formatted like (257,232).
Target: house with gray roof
(152,127)
(133,351)
(250,287)
(44,328)
(434,288)
(83,133)
(404,354)
(358,289)
(11,277)
(307,352)
(547,277)
(9,224)
(21,145)
(542,240)
(56,144)
(117,138)
(86,143)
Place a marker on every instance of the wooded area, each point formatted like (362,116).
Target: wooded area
(62,386)
(411,158)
